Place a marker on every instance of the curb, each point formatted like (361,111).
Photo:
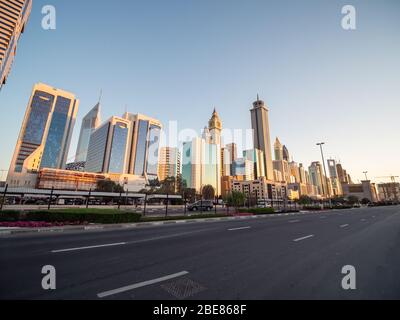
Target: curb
(145,224)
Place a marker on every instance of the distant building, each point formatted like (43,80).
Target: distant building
(261,189)
(169,163)
(363,190)
(278,148)
(334,176)
(244,168)
(262,139)
(45,135)
(286,155)
(389,191)
(89,123)
(201,165)
(257,157)
(14,15)
(226,163)
(282,171)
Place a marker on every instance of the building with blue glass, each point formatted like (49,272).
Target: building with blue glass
(109,146)
(45,135)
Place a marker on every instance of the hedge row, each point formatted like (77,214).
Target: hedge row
(258,211)
(95,216)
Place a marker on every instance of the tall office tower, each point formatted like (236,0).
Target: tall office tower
(233,151)
(226,163)
(206,135)
(334,177)
(294,172)
(262,140)
(285,153)
(109,146)
(89,123)
(257,157)
(303,174)
(282,166)
(317,177)
(243,168)
(200,165)
(145,146)
(169,163)
(215,127)
(278,148)
(14,15)
(45,134)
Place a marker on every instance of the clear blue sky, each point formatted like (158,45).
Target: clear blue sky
(177,59)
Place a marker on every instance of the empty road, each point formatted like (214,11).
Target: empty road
(287,257)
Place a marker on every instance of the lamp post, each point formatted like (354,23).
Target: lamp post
(320,144)
(366,176)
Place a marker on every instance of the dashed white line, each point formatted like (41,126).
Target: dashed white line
(237,229)
(141,284)
(344,225)
(303,238)
(294,221)
(90,247)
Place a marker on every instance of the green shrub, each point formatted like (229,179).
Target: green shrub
(83,215)
(258,211)
(9,216)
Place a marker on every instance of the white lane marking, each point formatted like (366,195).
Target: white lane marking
(141,284)
(237,229)
(304,238)
(344,225)
(363,220)
(294,221)
(90,247)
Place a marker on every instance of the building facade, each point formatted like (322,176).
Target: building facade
(169,163)
(14,15)
(45,135)
(109,146)
(89,124)
(262,139)
(257,157)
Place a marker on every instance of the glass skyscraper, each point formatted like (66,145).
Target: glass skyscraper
(14,15)
(145,145)
(45,135)
(108,147)
(89,123)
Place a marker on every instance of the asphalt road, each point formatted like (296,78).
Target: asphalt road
(288,257)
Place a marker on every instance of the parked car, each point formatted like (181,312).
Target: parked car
(205,205)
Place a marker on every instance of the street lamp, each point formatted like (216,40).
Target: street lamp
(366,177)
(320,144)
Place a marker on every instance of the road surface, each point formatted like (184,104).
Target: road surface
(287,257)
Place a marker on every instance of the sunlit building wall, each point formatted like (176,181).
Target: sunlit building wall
(45,134)
(14,15)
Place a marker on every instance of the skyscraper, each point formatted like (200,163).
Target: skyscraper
(262,139)
(215,128)
(144,146)
(89,123)
(169,163)
(257,157)
(201,165)
(109,146)
(285,154)
(278,148)
(14,15)
(45,134)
